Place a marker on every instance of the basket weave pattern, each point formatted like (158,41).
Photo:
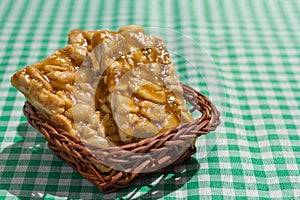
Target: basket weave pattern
(72,150)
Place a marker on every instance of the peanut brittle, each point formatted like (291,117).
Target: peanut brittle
(137,92)
(138,86)
(48,84)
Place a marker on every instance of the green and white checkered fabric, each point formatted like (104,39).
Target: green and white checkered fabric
(255,46)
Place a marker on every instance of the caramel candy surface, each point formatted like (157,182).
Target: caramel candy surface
(109,88)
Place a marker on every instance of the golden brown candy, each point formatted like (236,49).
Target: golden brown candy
(139,86)
(126,90)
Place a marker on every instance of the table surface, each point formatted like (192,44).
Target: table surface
(255,50)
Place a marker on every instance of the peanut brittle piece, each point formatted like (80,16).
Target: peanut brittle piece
(138,86)
(48,84)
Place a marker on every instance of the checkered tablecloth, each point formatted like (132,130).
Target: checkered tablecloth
(253,76)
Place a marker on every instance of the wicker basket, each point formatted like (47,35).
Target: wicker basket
(72,150)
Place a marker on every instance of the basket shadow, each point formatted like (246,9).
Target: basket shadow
(29,170)
(27,174)
(16,158)
(159,184)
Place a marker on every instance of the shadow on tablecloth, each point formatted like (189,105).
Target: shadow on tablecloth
(28,169)
(158,185)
